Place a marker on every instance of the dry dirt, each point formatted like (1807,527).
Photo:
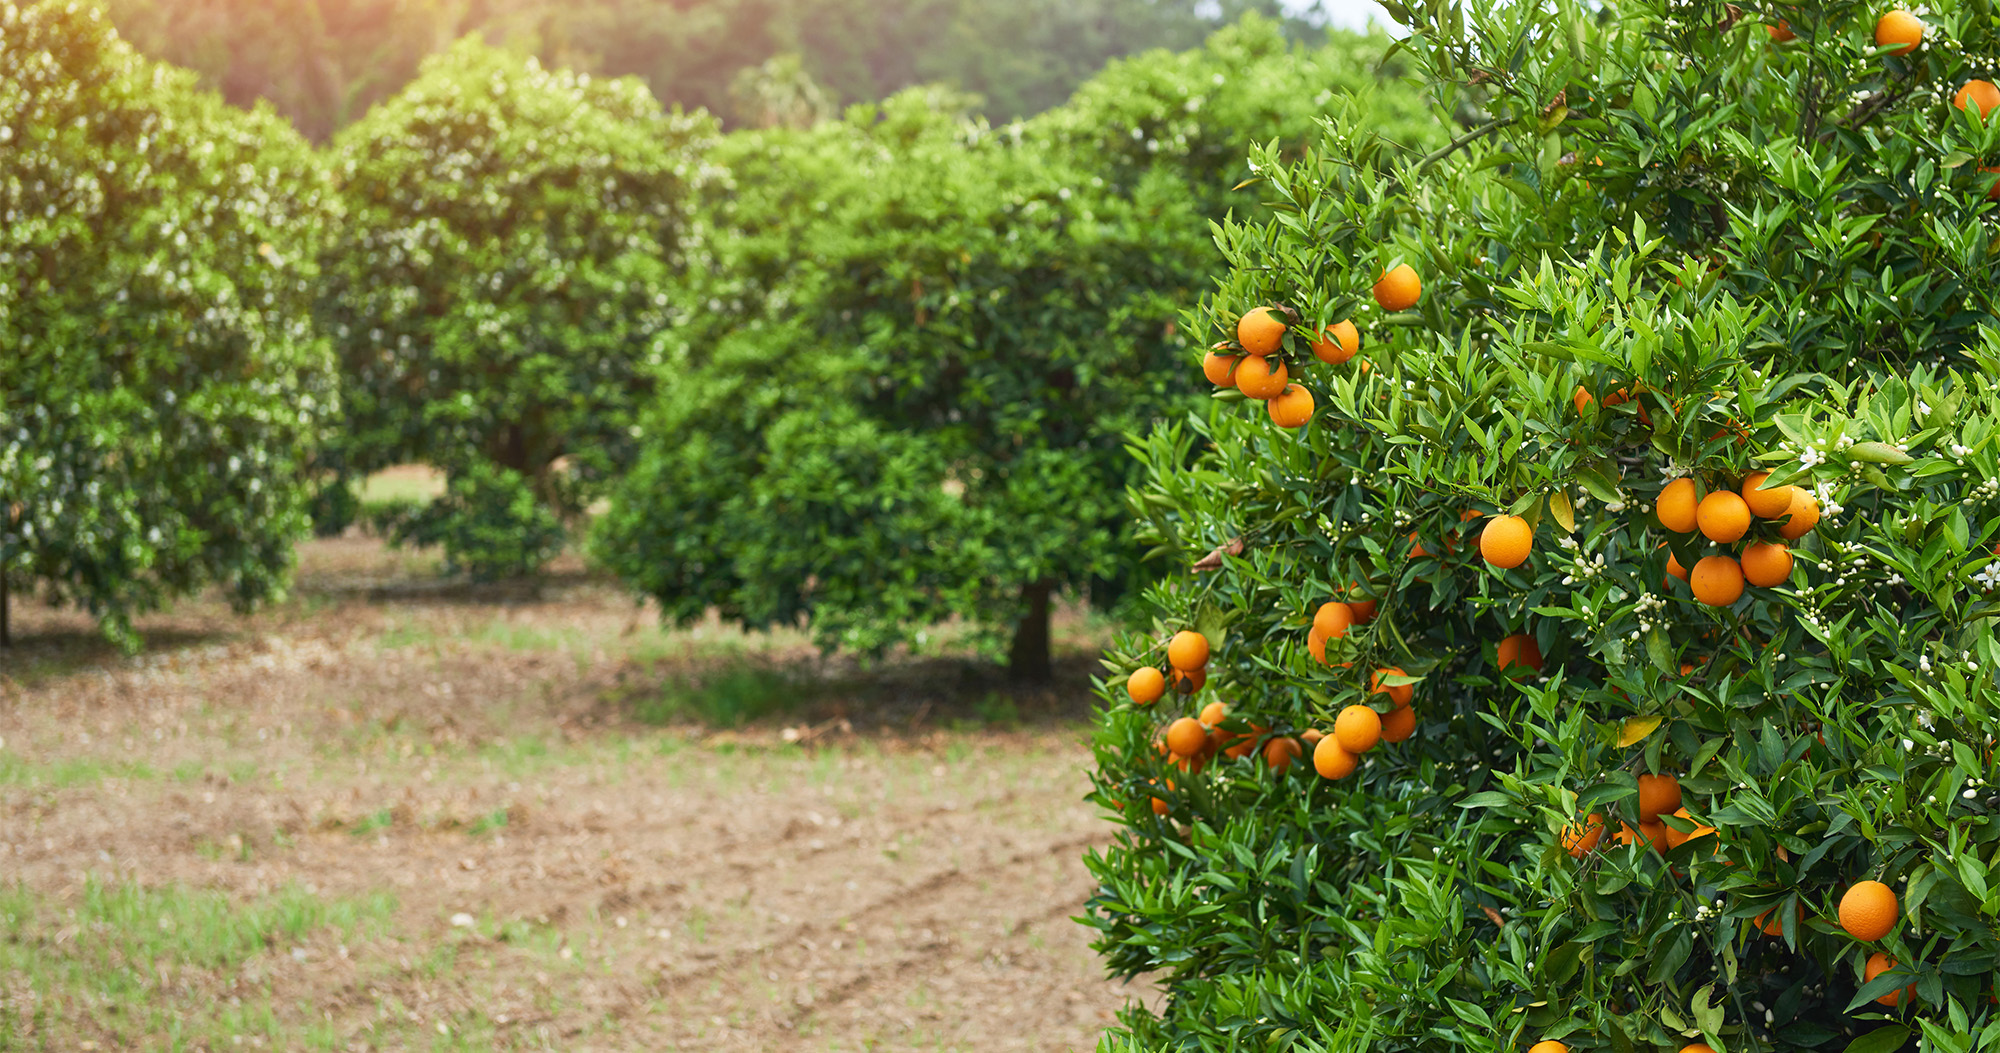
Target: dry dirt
(524,864)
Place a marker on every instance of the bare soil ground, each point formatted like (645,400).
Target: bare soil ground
(400,813)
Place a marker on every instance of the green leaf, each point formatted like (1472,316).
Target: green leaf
(1881,1040)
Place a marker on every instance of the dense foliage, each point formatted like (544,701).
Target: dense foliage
(323,63)
(1686,242)
(162,385)
(926,340)
(503,285)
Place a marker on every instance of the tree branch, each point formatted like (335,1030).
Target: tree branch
(1459,143)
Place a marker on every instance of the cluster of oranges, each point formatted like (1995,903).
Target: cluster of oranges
(1252,363)
(1725,517)
(1187,656)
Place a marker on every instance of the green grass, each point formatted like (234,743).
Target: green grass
(120,957)
(730,696)
(383,487)
(16,770)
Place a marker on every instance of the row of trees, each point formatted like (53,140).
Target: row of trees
(876,371)
(324,63)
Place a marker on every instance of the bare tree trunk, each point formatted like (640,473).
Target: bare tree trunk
(1028,659)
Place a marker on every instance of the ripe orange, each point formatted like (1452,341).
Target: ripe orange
(1333,619)
(1980,93)
(1399,694)
(1804,512)
(1993,191)
(1188,681)
(1331,761)
(1399,288)
(1357,729)
(1781,32)
(1187,650)
(1899,28)
(1674,567)
(1360,606)
(1658,793)
(1581,838)
(1879,963)
(1675,838)
(1723,516)
(1771,926)
(1548,1045)
(1146,686)
(1311,737)
(1581,400)
(1518,649)
(1399,724)
(1506,541)
(1654,833)
(1337,343)
(1697,1047)
(1717,581)
(1214,713)
(1765,504)
(1766,563)
(1186,737)
(1417,549)
(1868,910)
(1159,806)
(1292,407)
(1260,331)
(1280,752)
(1246,744)
(1676,505)
(1261,378)
(1220,369)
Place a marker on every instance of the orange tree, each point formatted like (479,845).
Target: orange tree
(1618,543)
(922,340)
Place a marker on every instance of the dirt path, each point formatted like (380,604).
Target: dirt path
(356,824)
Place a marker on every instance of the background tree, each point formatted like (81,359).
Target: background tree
(926,340)
(162,386)
(323,63)
(1618,733)
(502,287)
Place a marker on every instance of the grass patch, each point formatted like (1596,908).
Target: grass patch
(140,964)
(16,770)
(727,696)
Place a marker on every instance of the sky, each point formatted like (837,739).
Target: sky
(1353,14)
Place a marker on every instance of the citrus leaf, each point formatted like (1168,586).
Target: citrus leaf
(1878,453)
(1636,728)
(1881,1040)
(1563,512)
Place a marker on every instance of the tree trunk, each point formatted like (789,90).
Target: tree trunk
(6,631)
(1028,659)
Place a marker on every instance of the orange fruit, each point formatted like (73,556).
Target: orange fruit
(1675,838)
(1399,724)
(1331,761)
(1311,737)
(1868,910)
(1399,694)
(1246,744)
(1653,833)
(1399,288)
(1548,1045)
(1417,549)
(1214,713)
(1292,407)
(1581,838)
(1188,681)
(1187,650)
(1771,926)
(1674,567)
(1676,506)
(1260,331)
(1723,516)
(1765,504)
(1658,793)
(1337,343)
(1280,752)
(1900,29)
(1361,607)
(1220,369)
(1357,729)
(1780,32)
(1697,1047)
(1316,644)
(1159,806)
(1506,541)
(1804,513)
(1993,191)
(1146,686)
(1766,563)
(1333,619)
(1879,963)
(1980,93)
(1717,580)
(1581,400)
(1186,737)
(1518,649)
(1261,378)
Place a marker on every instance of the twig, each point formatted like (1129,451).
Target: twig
(1459,143)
